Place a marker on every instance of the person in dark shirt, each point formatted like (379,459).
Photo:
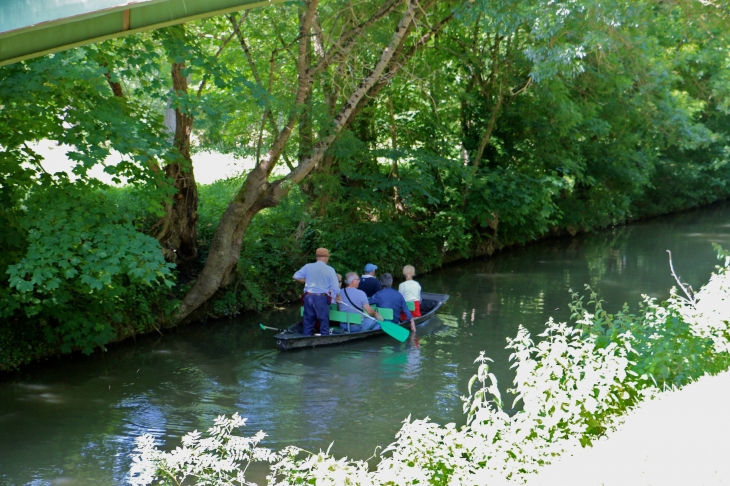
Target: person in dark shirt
(368,283)
(392,299)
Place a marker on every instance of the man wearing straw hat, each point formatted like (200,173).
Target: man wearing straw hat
(320,287)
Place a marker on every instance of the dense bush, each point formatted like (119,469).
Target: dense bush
(87,277)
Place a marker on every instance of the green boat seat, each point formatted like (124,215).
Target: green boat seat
(339,316)
(411,305)
(353,318)
(345,317)
(333,306)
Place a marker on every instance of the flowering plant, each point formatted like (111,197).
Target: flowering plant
(570,392)
(219,459)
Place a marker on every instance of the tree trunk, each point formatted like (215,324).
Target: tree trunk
(178,228)
(257,193)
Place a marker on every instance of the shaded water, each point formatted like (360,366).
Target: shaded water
(73,421)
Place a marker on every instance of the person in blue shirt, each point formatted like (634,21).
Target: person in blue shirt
(368,283)
(320,288)
(392,299)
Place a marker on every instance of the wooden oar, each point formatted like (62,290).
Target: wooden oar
(392,330)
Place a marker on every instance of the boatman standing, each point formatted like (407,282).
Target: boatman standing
(320,288)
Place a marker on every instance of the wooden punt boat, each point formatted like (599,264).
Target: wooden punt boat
(292,337)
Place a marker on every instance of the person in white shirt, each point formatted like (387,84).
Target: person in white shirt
(411,290)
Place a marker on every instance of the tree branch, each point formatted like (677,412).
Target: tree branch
(268,115)
(488,133)
(218,53)
(280,187)
(268,161)
(396,63)
(685,288)
(347,41)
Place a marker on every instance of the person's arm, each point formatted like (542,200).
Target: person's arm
(372,312)
(301,275)
(407,312)
(334,284)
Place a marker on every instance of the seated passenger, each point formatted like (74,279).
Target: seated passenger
(369,284)
(355,301)
(392,299)
(411,291)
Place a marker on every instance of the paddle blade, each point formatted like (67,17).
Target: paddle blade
(262,327)
(395,331)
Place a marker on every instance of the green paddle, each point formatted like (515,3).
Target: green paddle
(395,331)
(267,328)
(392,330)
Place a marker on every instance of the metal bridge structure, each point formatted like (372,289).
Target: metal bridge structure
(31,28)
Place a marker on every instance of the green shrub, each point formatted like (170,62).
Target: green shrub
(87,271)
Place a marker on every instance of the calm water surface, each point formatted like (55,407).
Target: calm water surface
(73,421)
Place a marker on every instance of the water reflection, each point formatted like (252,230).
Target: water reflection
(73,421)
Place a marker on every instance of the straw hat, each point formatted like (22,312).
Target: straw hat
(322,252)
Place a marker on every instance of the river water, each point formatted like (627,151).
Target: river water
(73,421)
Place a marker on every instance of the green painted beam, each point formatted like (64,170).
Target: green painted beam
(31,29)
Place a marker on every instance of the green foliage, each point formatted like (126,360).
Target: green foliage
(434,206)
(666,351)
(86,270)
(74,271)
(13,240)
(66,97)
(517,120)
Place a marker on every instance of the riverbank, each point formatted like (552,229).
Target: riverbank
(22,345)
(678,438)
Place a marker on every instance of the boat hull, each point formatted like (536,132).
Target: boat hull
(293,339)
